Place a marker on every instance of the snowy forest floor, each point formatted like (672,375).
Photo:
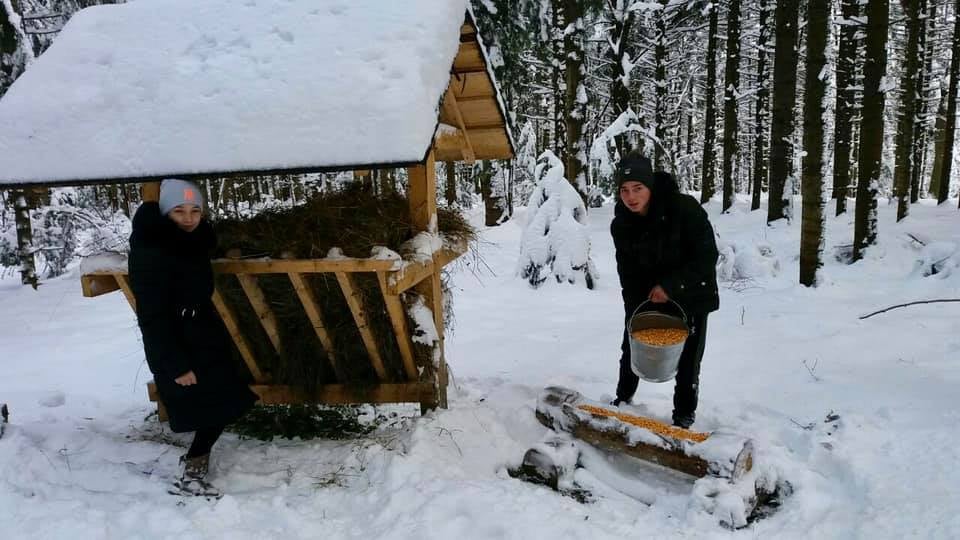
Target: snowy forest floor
(79,460)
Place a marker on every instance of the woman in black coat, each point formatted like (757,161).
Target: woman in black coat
(186,345)
(666,250)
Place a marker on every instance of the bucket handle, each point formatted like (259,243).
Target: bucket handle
(645,302)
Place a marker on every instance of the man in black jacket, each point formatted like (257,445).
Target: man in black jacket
(665,250)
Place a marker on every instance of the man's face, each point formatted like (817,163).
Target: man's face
(635,196)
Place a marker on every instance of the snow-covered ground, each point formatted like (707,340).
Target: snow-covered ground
(780,357)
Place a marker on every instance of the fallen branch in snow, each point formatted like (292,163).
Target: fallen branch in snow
(915,239)
(936,301)
(442,430)
(812,369)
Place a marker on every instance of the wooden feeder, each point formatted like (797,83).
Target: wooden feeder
(470,124)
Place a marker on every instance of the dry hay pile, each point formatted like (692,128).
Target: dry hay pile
(355,221)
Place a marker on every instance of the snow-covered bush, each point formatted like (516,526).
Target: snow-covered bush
(745,261)
(555,241)
(939,259)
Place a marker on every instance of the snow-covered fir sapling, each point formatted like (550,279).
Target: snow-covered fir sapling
(556,241)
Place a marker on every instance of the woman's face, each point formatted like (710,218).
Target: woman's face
(186,216)
(635,196)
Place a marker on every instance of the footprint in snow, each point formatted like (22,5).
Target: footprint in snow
(53,399)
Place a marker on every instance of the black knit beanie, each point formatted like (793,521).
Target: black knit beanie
(634,167)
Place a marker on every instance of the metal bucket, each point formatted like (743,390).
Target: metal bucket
(655,363)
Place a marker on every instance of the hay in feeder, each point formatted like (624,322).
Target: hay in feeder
(355,221)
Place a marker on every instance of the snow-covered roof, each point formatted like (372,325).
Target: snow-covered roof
(157,88)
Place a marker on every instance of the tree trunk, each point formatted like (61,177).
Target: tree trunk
(939,140)
(846,98)
(660,84)
(575,99)
(450,189)
(25,250)
(708,181)
(12,56)
(622,21)
(871,128)
(951,122)
(731,84)
(491,210)
(556,74)
(784,98)
(815,90)
(903,168)
(760,115)
(925,47)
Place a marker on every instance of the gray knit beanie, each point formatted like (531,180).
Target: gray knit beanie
(174,192)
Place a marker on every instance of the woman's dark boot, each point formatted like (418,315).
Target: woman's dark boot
(193,482)
(196,467)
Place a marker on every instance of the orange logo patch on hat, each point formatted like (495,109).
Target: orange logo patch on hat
(188,194)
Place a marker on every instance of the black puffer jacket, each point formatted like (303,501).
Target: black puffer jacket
(172,282)
(672,246)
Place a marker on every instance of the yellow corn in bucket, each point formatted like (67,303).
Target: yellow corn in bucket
(656,342)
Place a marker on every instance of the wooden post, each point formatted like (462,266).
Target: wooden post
(422,193)
(150,191)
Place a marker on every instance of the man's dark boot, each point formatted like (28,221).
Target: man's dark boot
(683,420)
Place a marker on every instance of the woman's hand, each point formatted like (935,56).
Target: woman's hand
(186,379)
(657,295)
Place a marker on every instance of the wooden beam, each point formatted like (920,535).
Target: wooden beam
(341,394)
(472,84)
(359,316)
(481,98)
(447,255)
(481,113)
(124,283)
(413,273)
(300,266)
(95,284)
(450,145)
(452,110)
(490,142)
(398,318)
(312,308)
(258,300)
(332,394)
(408,276)
(241,342)
(469,58)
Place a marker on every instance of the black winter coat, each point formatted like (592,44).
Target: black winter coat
(672,246)
(172,281)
